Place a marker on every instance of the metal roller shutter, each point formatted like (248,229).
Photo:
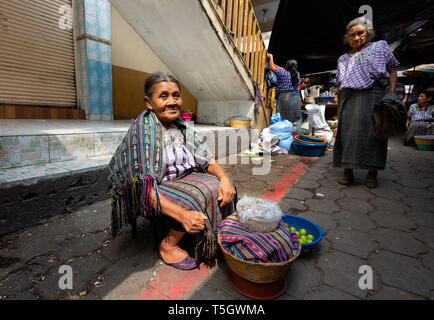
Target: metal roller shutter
(36,55)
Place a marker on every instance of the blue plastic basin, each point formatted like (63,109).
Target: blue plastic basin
(311,228)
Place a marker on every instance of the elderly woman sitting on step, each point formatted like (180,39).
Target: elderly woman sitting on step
(164,171)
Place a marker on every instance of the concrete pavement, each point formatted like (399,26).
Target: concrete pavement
(390,229)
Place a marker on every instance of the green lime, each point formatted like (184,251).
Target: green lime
(310,237)
(303,231)
(292,229)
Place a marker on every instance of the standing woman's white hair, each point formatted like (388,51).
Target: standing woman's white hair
(364,22)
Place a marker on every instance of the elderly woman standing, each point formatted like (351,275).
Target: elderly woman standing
(363,76)
(164,171)
(287,91)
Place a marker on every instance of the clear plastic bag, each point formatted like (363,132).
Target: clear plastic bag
(258,214)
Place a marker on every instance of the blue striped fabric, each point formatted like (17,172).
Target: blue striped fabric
(277,246)
(284,82)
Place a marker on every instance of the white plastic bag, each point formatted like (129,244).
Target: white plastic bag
(267,140)
(316,116)
(258,214)
(318,125)
(325,134)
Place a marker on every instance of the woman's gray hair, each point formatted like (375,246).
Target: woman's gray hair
(158,77)
(364,22)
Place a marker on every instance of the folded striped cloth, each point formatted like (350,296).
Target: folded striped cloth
(277,246)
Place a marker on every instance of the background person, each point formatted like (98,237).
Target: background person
(304,91)
(420,118)
(363,76)
(287,92)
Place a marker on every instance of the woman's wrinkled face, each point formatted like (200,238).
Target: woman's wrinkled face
(422,100)
(357,36)
(166,102)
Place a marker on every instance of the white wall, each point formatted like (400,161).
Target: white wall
(129,50)
(221,111)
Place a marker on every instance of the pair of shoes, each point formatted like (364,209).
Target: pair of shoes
(372,184)
(344,180)
(187,264)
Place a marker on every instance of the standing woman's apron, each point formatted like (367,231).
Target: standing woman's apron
(288,105)
(356,145)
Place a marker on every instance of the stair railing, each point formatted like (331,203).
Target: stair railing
(239,18)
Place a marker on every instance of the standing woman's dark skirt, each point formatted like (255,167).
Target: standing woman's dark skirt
(356,146)
(288,105)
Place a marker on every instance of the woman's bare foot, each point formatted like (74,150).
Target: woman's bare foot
(173,255)
(169,249)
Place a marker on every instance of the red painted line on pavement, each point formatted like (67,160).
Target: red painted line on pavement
(174,284)
(287,181)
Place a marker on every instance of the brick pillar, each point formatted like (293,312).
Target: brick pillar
(93,51)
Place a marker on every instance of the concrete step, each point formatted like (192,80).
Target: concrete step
(40,142)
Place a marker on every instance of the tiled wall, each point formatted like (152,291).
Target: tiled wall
(93,29)
(23,151)
(20,151)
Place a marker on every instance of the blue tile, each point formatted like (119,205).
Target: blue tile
(100,88)
(98,51)
(95,59)
(97,14)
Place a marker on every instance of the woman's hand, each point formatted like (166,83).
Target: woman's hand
(226,192)
(193,221)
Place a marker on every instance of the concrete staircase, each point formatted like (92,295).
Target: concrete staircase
(217,53)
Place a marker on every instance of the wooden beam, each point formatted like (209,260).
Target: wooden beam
(229,15)
(235,17)
(240,24)
(245,22)
(249,35)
